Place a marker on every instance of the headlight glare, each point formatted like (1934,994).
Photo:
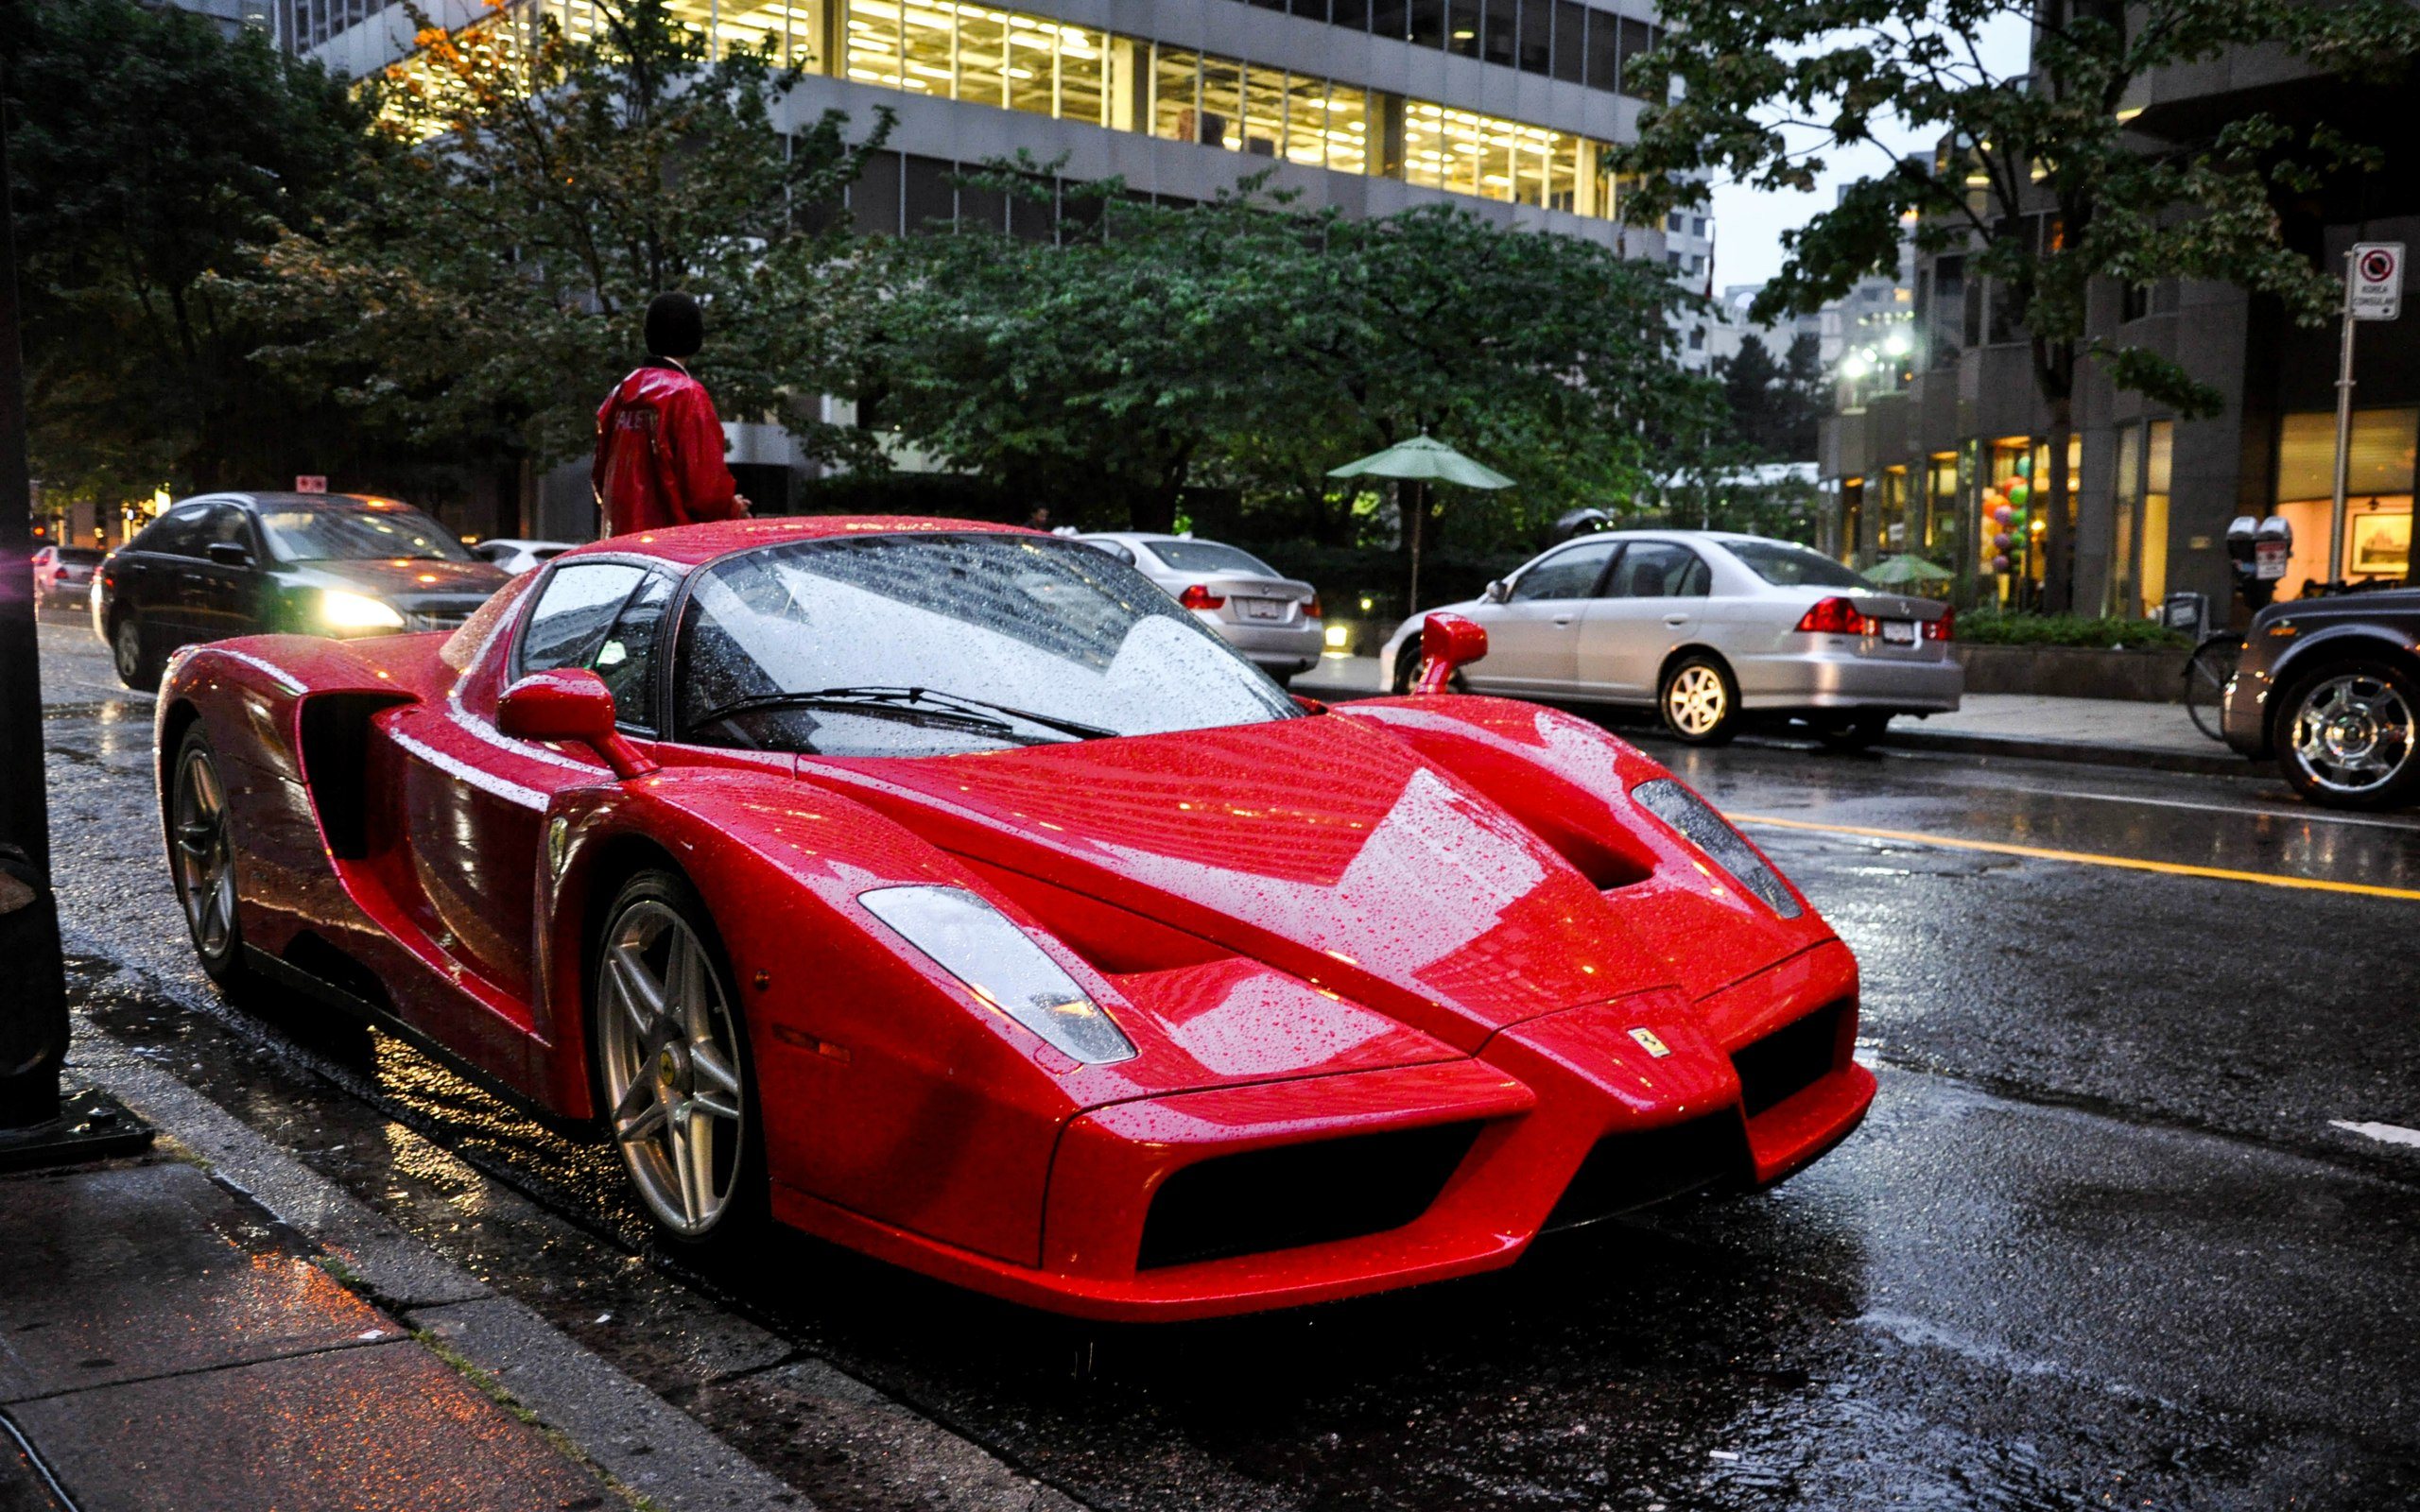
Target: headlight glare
(343,610)
(1712,833)
(999,963)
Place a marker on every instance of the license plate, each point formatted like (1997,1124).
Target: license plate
(1262,609)
(1898,632)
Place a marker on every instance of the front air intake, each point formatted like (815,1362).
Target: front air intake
(1628,1171)
(1293,1194)
(1789,1060)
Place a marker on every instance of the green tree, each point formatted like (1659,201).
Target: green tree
(488,290)
(1248,345)
(2039,174)
(148,151)
(1775,405)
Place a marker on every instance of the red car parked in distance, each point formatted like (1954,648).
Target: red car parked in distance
(947,891)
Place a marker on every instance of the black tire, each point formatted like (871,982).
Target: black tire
(131,650)
(2206,674)
(203,847)
(1851,732)
(1698,700)
(653,900)
(2348,734)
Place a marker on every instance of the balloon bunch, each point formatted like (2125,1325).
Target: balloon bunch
(2004,516)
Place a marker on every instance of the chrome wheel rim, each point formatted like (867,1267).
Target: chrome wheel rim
(1696,700)
(2353,733)
(671,1063)
(205,860)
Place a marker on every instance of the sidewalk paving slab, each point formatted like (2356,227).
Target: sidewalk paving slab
(167,1344)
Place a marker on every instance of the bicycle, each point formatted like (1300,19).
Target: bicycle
(2206,674)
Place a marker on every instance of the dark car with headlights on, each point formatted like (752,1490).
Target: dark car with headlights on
(228,565)
(2330,687)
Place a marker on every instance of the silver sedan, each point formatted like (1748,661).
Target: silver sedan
(1705,626)
(1267,616)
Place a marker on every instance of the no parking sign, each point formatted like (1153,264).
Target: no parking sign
(2377,291)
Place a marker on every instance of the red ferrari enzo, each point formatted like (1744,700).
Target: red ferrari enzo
(947,891)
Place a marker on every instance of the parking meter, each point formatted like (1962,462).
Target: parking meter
(2258,550)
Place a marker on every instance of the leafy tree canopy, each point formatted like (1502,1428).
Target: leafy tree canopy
(1248,345)
(148,151)
(2040,176)
(1775,405)
(490,285)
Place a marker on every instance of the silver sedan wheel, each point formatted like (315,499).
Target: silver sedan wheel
(205,859)
(671,1065)
(1697,701)
(2353,733)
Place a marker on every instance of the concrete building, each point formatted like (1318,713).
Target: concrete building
(1499,107)
(1923,438)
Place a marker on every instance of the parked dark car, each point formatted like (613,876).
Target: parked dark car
(63,574)
(230,564)
(2330,687)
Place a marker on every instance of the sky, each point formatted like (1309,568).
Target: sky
(1748,223)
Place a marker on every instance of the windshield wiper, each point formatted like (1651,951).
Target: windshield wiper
(925,702)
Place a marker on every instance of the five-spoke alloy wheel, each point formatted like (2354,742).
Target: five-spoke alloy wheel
(2348,734)
(202,848)
(672,1061)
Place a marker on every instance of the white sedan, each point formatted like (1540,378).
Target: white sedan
(518,557)
(1705,626)
(1271,618)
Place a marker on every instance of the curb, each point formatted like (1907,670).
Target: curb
(643,1441)
(2077,752)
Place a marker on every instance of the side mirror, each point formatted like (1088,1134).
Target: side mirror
(1497,591)
(569,704)
(229,554)
(1447,642)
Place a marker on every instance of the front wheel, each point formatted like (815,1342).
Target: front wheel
(1699,701)
(672,1064)
(2347,734)
(203,847)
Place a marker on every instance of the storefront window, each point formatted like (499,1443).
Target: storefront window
(2126,501)
(2378,494)
(2159,454)
(1941,503)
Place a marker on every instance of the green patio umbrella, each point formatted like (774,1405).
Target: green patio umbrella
(1907,568)
(1421,460)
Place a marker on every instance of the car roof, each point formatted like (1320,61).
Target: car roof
(287,500)
(690,545)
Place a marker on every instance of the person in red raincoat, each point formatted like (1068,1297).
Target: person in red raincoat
(659,442)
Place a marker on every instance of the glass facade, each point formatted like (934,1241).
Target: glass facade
(2378,473)
(978,55)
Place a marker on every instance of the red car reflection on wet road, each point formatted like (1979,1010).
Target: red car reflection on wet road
(946,891)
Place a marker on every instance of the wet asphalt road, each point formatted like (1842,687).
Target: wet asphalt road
(2099,1245)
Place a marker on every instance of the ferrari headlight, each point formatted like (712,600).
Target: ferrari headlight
(1712,833)
(342,609)
(1000,963)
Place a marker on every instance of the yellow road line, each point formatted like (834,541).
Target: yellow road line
(2173,868)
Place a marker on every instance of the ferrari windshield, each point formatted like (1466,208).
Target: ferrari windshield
(366,532)
(926,644)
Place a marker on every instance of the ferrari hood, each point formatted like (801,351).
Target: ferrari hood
(1319,845)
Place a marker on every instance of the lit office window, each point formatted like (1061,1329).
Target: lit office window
(1176,96)
(1307,120)
(1347,129)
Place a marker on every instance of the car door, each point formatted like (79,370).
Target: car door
(1533,637)
(223,595)
(1653,601)
(475,801)
(155,576)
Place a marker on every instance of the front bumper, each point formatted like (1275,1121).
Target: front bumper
(1242,1198)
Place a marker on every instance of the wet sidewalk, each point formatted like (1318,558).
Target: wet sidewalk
(166,1343)
(2108,731)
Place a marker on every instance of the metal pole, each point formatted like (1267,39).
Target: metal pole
(2343,431)
(33,1010)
